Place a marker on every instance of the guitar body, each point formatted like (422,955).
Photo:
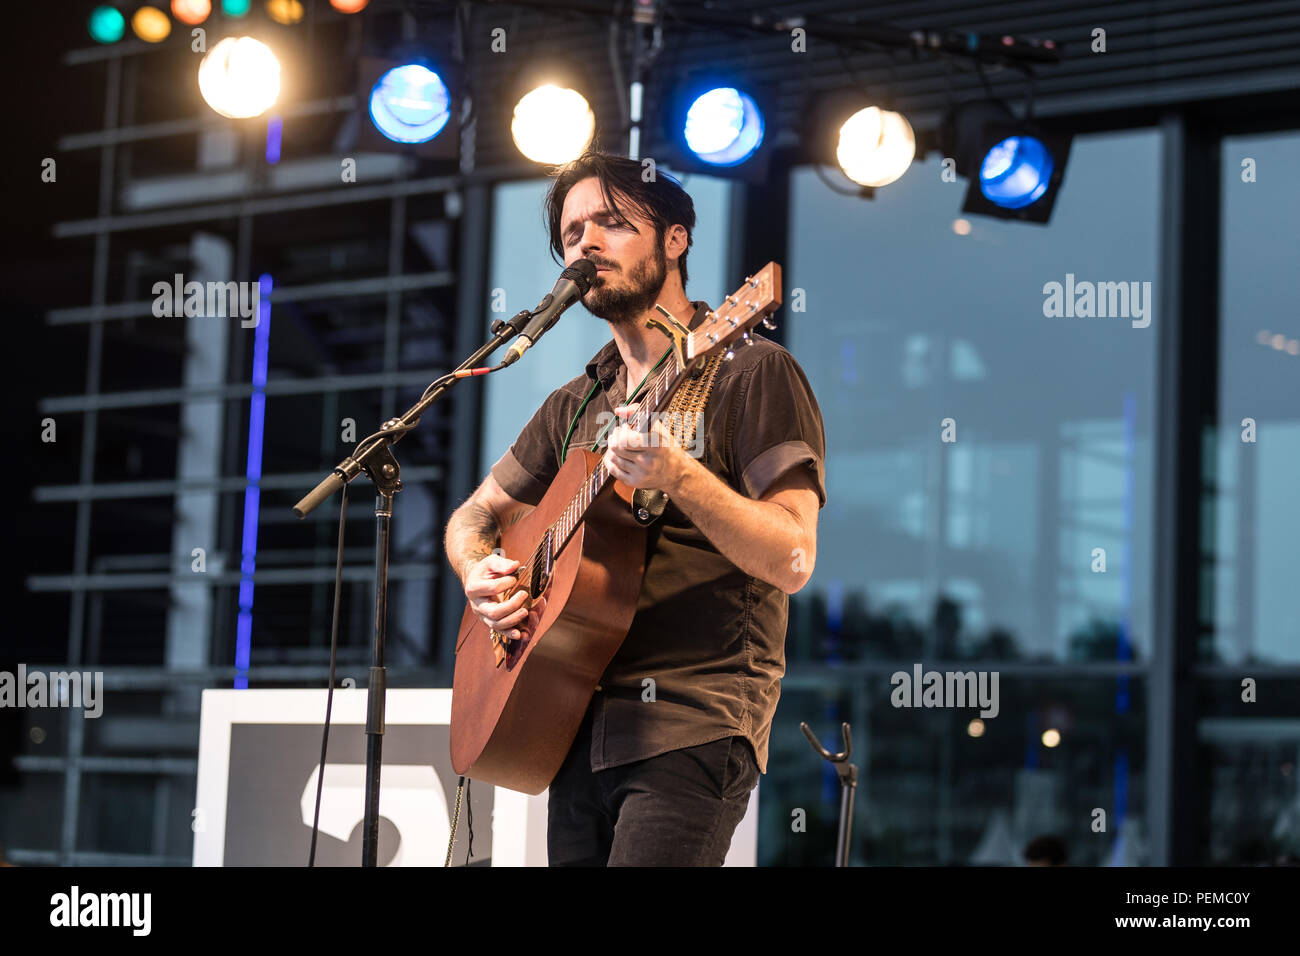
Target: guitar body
(512,725)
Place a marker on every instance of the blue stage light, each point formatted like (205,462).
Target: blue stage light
(410,104)
(1016,172)
(724,127)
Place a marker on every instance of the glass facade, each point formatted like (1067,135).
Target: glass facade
(990,482)
(1248,731)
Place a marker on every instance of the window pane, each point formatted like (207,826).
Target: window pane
(1255,553)
(989,462)
(942,786)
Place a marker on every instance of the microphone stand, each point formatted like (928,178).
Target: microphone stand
(378,462)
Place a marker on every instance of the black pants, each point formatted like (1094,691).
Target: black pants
(677,809)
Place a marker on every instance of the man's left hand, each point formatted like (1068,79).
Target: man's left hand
(654,460)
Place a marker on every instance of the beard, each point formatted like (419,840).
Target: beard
(623,305)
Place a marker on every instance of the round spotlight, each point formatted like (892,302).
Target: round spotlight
(151,25)
(240,77)
(410,104)
(1016,172)
(192,12)
(876,146)
(349,6)
(235,8)
(724,126)
(553,125)
(284,11)
(107,25)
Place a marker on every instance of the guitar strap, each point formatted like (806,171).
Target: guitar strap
(686,407)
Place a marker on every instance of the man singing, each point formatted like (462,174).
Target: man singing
(661,770)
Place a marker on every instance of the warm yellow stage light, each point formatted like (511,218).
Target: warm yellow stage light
(876,147)
(284,11)
(191,11)
(553,125)
(151,24)
(240,77)
(349,6)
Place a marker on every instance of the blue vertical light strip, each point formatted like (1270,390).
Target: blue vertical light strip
(253,475)
(273,128)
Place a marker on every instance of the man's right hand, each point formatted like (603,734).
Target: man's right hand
(491,579)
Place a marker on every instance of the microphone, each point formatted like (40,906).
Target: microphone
(572,286)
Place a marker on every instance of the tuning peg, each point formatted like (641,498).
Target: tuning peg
(728,355)
(748,340)
(769,324)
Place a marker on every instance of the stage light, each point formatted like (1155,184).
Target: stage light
(875,146)
(240,77)
(1016,172)
(151,25)
(410,104)
(349,6)
(192,12)
(1015,169)
(107,25)
(552,125)
(723,126)
(235,8)
(287,12)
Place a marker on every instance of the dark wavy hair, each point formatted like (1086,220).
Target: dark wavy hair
(663,201)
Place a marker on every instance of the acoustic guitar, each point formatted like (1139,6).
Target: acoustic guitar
(517,705)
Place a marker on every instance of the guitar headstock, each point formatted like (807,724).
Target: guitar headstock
(739,312)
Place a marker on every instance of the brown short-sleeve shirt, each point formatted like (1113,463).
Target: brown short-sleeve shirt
(710,636)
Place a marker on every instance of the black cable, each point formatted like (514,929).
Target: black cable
(362,447)
(615,52)
(329,695)
(469,821)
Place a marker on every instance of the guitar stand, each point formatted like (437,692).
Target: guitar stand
(848,774)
